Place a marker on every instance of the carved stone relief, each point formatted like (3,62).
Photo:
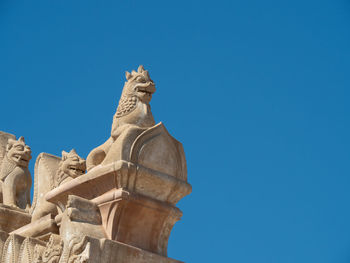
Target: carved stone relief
(53,250)
(26,253)
(11,250)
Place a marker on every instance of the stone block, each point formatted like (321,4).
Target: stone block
(12,218)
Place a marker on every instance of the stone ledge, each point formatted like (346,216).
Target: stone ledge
(105,178)
(41,228)
(12,218)
(114,251)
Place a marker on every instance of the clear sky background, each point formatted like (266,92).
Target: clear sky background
(257,92)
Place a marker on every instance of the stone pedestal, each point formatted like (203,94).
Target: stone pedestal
(137,220)
(136,194)
(128,217)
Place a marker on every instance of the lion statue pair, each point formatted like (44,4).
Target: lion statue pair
(50,172)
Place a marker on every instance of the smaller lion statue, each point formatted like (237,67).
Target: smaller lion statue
(15,179)
(50,172)
(70,167)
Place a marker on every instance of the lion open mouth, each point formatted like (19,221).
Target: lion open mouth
(20,158)
(147,89)
(146,92)
(76,170)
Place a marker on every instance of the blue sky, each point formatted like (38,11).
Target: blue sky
(257,92)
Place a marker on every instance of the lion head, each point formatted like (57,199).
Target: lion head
(18,152)
(71,166)
(139,84)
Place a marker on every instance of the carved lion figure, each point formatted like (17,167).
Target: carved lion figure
(70,167)
(50,172)
(15,179)
(133,111)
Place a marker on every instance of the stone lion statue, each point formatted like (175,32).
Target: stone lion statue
(70,167)
(133,111)
(50,172)
(15,178)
